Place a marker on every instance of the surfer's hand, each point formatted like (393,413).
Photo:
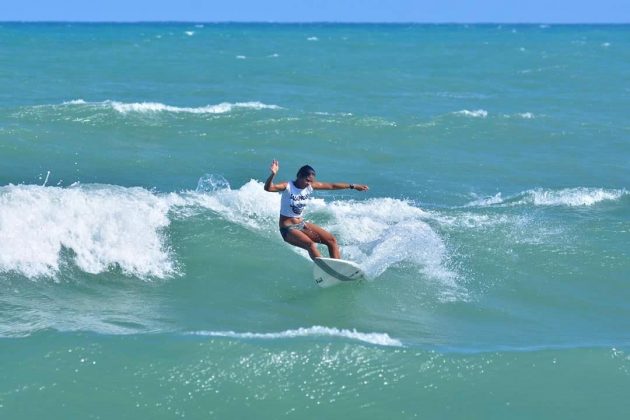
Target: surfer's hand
(361,187)
(274,167)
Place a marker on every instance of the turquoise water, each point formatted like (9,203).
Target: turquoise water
(141,268)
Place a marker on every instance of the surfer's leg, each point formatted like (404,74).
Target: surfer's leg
(322,236)
(299,238)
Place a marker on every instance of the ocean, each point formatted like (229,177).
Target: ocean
(142,273)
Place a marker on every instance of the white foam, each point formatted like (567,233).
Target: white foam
(341,114)
(478,113)
(571,197)
(375,122)
(486,201)
(155,107)
(379,233)
(312,38)
(384,232)
(526,115)
(381,339)
(190,33)
(75,102)
(241,57)
(107,226)
(222,108)
(249,206)
(470,220)
(103,226)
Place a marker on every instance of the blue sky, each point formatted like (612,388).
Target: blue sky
(508,11)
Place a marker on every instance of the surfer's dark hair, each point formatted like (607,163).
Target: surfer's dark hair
(305,171)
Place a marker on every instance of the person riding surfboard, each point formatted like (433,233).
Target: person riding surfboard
(293,228)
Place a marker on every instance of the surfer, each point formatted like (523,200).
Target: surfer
(293,228)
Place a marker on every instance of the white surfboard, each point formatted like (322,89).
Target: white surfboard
(331,272)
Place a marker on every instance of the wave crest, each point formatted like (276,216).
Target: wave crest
(478,113)
(381,339)
(157,107)
(101,226)
(571,197)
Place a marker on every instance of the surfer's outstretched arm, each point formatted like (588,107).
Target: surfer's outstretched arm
(338,186)
(269,185)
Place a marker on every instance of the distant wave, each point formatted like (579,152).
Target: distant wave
(458,95)
(525,115)
(381,339)
(571,197)
(74,102)
(482,113)
(478,113)
(155,107)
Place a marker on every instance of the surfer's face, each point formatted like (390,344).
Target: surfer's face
(307,180)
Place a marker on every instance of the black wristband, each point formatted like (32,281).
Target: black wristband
(352,186)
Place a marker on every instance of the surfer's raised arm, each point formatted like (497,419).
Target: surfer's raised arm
(269,185)
(338,186)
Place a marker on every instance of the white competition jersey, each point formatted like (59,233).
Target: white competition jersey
(293,200)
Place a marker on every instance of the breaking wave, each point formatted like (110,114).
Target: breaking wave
(380,339)
(155,107)
(571,197)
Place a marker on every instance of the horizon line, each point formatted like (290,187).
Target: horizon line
(323,22)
